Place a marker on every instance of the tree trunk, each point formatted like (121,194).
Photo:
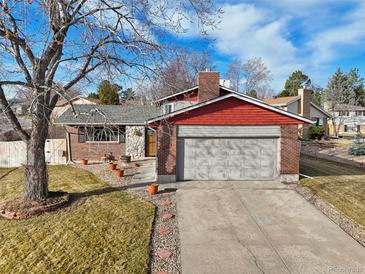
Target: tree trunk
(36,175)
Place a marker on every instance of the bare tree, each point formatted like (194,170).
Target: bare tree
(257,77)
(235,74)
(57,44)
(252,78)
(180,71)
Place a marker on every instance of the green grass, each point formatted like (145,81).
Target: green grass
(106,231)
(341,185)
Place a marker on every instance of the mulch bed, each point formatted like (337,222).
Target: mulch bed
(21,208)
(352,228)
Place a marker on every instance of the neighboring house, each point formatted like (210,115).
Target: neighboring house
(349,119)
(302,105)
(19,106)
(208,132)
(98,130)
(63,105)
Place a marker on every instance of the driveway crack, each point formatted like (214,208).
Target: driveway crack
(262,231)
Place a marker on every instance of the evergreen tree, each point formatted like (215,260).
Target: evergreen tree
(128,94)
(108,93)
(357,148)
(357,83)
(93,95)
(293,83)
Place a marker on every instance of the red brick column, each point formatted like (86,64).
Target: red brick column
(289,150)
(166,152)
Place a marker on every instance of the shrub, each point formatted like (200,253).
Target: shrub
(357,148)
(315,132)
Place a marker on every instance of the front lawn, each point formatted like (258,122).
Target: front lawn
(341,185)
(104,230)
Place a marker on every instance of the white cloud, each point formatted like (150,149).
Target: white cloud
(247,31)
(326,45)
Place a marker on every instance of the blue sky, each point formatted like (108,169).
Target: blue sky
(315,36)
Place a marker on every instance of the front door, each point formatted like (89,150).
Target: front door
(151,143)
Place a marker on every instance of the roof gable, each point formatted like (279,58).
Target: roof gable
(265,109)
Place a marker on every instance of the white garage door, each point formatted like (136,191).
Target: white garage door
(238,158)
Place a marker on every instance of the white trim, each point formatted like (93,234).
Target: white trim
(175,94)
(237,96)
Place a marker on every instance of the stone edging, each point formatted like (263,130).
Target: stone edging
(352,228)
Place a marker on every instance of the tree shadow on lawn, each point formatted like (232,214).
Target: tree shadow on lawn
(77,196)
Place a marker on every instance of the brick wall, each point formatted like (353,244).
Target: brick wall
(290,150)
(166,149)
(92,151)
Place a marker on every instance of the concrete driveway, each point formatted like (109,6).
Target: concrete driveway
(259,227)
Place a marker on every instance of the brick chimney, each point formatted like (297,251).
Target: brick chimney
(208,85)
(305,102)
(305,108)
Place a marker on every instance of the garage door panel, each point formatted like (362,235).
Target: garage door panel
(228,159)
(220,173)
(235,174)
(235,161)
(249,173)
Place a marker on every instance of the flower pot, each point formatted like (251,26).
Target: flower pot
(152,189)
(119,173)
(84,162)
(112,166)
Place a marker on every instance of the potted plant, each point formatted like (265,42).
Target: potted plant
(152,189)
(84,161)
(112,166)
(119,172)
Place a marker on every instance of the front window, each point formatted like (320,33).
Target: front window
(345,128)
(101,134)
(343,113)
(360,113)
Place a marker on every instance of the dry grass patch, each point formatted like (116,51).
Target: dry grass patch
(104,231)
(341,185)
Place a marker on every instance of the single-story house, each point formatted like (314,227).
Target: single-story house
(99,130)
(302,106)
(208,132)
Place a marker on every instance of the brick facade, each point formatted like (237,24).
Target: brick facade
(92,151)
(289,150)
(166,149)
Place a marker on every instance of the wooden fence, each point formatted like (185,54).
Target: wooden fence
(13,154)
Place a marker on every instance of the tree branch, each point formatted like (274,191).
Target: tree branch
(11,116)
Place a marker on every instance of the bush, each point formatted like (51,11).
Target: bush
(357,148)
(316,132)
